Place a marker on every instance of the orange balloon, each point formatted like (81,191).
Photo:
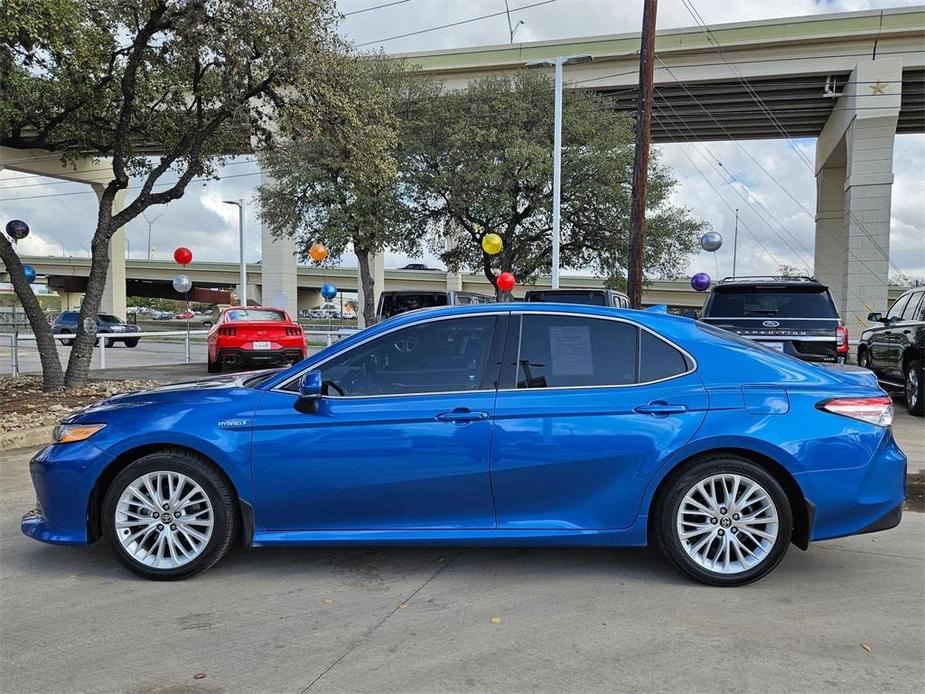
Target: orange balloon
(318,252)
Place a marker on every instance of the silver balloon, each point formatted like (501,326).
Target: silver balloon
(711,241)
(182,284)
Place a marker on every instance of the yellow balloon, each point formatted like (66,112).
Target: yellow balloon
(492,244)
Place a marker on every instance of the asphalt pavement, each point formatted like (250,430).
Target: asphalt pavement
(846,616)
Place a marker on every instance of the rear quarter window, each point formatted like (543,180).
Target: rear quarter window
(658,360)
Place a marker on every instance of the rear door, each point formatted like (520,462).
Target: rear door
(583,420)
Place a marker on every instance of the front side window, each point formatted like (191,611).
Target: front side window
(896,309)
(572,351)
(434,357)
(911,311)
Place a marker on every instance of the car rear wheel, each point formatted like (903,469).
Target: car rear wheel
(66,342)
(131,342)
(213,367)
(724,521)
(169,515)
(915,388)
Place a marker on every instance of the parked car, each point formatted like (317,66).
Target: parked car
(162,315)
(113,327)
(186,315)
(500,424)
(392,303)
(591,297)
(254,336)
(793,315)
(895,350)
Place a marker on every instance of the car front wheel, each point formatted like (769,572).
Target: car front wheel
(169,515)
(915,388)
(724,521)
(864,359)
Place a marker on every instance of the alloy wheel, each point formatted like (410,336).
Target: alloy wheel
(164,519)
(727,523)
(912,388)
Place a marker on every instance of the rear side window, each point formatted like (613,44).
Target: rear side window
(912,308)
(759,302)
(658,359)
(570,351)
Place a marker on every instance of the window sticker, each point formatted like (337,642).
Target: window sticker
(570,349)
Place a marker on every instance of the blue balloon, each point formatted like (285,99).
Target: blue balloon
(328,291)
(29,272)
(701,281)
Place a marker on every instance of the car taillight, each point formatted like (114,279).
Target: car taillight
(293,331)
(841,340)
(227,332)
(877,410)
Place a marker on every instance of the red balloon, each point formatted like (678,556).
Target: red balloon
(183,255)
(506,281)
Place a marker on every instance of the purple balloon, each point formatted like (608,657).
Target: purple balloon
(17,229)
(701,281)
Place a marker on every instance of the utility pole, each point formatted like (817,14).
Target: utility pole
(735,244)
(242,299)
(634,270)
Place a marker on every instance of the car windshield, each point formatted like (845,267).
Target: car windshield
(588,298)
(106,318)
(252,314)
(393,304)
(797,302)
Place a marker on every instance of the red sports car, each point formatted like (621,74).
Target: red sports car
(255,336)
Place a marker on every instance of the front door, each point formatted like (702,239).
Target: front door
(400,440)
(590,410)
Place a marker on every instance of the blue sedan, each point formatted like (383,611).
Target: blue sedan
(504,424)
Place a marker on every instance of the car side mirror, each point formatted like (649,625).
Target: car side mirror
(310,386)
(875,317)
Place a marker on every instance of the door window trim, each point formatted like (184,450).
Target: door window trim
(514,325)
(499,325)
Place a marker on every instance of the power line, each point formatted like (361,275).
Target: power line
(452,24)
(375,7)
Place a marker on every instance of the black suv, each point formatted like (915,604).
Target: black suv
(115,329)
(895,351)
(593,297)
(794,315)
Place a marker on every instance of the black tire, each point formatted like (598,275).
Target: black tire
(66,342)
(131,342)
(109,342)
(665,514)
(863,359)
(213,367)
(915,388)
(220,495)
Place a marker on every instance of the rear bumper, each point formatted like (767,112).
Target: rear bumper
(287,355)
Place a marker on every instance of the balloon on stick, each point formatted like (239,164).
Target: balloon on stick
(182,284)
(328,291)
(711,241)
(506,281)
(701,281)
(17,229)
(183,255)
(492,244)
(29,272)
(318,252)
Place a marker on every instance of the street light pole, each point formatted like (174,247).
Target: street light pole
(243,266)
(557,63)
(150,224)
(735,244)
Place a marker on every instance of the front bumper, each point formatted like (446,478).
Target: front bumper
(63,476)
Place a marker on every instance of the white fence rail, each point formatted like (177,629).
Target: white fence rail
(13,340)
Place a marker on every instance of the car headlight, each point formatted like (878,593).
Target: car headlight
(71,433)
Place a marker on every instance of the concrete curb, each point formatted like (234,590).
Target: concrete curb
(26,438)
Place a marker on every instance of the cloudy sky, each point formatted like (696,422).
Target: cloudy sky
(62,214)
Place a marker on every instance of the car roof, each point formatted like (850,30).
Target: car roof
(769,280)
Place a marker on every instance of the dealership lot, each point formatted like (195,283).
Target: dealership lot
(426,619)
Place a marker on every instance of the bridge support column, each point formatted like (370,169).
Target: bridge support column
(278,267)
(377,269)
(854,179)
(113,301)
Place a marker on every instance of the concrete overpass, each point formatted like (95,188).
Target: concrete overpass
(853,80)
(68,277)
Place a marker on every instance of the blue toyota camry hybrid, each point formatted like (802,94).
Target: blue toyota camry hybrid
(502,424)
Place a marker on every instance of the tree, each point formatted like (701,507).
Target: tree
(340,186)
(165,90)
(479,161)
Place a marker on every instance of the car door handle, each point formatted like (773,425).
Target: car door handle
(661,408)
(461,415)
